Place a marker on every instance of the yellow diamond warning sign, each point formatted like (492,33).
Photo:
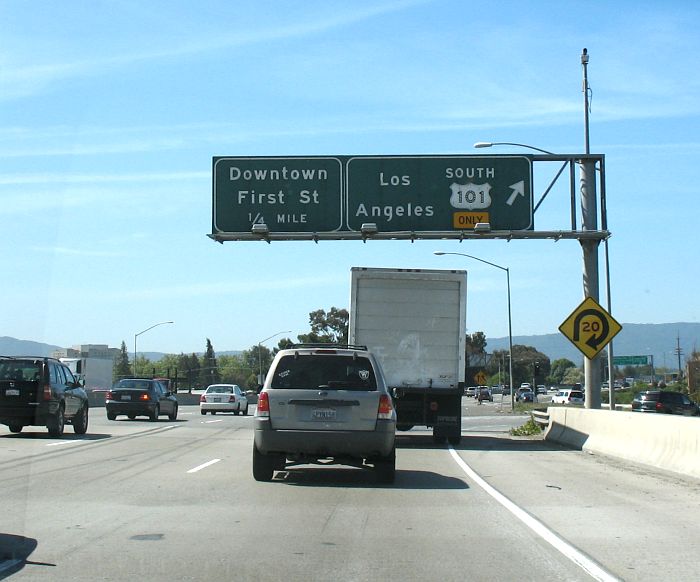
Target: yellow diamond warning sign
(590,328)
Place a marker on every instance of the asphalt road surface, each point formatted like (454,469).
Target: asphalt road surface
(137,500)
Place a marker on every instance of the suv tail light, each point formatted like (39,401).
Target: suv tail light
(46,393)
(385,407)
(263,405)
(659,406)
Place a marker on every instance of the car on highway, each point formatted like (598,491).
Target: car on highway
(525,395)
(223,398)
(134,397)
(665,402)
(541,389)
(471,391)
(38,391)
(324,404)
(568,396)
(484,394)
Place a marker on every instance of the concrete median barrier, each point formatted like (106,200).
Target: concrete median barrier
(671,443)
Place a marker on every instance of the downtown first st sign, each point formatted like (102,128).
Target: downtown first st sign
(404,196)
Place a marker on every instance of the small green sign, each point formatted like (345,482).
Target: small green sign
(630,360)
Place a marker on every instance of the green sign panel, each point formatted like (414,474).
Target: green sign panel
(439,193)
(336,195)
(288,195)
(630,360)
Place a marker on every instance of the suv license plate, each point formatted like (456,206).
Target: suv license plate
(12,392)
(323,414)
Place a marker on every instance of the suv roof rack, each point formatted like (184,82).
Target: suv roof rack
(330,346)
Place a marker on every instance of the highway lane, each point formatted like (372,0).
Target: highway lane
(176,501)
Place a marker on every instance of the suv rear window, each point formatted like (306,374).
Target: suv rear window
(333,372)
(21,370)
(575,394)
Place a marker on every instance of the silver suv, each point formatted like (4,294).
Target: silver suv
(324,404)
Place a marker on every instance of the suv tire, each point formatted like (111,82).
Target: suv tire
(263,465)
(155,413)
(80,422)
(56,423)
(16,428)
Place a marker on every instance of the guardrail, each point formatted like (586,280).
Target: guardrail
(540,417)
(667,442)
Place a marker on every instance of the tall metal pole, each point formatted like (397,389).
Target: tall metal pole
(510,326)
(589,220)
(144,331)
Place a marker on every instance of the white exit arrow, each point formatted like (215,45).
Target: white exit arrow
(518,190)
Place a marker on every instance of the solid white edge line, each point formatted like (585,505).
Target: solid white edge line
(564,547)
(204,465)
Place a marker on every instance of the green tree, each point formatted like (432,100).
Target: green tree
(327,327)
(208,371)
(524,360)
(559,369)
(476,343)
(122,367)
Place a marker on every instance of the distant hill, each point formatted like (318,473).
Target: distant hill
(635,339)
(10,346)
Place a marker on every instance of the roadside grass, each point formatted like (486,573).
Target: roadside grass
(530,428)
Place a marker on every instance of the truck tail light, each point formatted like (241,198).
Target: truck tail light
(263,405)
(385,407)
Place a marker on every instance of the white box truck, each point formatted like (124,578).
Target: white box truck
(414,321)
(95,372)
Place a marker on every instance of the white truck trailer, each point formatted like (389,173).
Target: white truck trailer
(414,321)
(95,372)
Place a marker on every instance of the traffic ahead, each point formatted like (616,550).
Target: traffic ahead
(176,500)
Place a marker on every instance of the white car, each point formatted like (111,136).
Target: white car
(568,397)
(223,398)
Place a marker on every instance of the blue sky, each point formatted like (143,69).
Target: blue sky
(111,112)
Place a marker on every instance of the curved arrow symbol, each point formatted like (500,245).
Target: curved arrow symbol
(518,190)
(595,340)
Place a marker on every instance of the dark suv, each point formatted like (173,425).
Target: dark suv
(665,402)
(325,404)
(41,392)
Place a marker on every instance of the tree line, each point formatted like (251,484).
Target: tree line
(197,371)
(192,371)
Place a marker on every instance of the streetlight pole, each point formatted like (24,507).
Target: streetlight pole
(510,327)
(144,331)
(488,144)
(589,212)
(260,378)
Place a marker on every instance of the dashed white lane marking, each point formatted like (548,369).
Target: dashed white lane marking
(204,465)
(565,548)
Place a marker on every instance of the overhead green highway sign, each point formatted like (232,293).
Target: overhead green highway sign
(439,193)
(288,195)
(400,196)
